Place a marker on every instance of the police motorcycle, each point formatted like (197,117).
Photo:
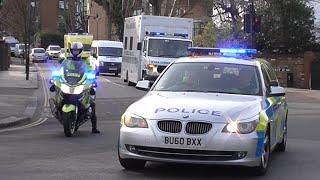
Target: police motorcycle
(75,92)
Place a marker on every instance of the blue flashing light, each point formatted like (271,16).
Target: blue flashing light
(91,75)
(181,35)
(57,73)
(156,33)
(238,51)
(222,51)
(95,84)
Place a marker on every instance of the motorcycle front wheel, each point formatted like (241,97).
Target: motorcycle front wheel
(69,123)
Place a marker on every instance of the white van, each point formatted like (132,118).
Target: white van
(107,56)
(19,50)
(12,43)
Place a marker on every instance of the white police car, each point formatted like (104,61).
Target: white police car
(223,109)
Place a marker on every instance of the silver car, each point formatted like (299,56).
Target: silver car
(207,110)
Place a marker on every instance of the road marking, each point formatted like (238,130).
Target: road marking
(45,89)
(107,80)
(36,123)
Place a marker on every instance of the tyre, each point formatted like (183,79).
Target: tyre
(69,123)
(265,157)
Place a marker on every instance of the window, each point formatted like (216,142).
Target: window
(94,50)
(266,77)
(272,73)
(125,43)
(211,78)
(131,42)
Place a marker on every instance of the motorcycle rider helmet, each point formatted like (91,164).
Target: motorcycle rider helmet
(76,49)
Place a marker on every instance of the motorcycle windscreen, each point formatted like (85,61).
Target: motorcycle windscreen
(74,71)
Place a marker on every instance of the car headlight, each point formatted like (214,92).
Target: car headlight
(240,127)
(101,63)
(133,121)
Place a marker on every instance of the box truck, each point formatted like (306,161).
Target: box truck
(151,43)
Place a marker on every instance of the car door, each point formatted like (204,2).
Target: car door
(280,112)
(273,108)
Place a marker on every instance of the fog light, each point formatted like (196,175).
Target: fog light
(241,154)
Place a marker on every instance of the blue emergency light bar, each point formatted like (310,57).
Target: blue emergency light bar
(222,51)
(156,33)
(181,35)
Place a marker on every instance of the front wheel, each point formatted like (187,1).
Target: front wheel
(265,157)
(69,123)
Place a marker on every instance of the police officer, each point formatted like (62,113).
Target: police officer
(75,55)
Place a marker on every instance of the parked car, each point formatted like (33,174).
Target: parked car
(53,51)
(62,55)
(38,55)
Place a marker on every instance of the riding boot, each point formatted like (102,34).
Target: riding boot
(94,125)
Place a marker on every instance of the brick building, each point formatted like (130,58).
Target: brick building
(49,15)
(97,20)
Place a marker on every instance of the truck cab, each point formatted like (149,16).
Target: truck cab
(151,43)
(158,52)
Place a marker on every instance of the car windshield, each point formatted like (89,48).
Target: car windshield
(39,51)
(168,48)
(210,78)
(21,46)
(55,48)
(110,51)
(12,44)
(86,47)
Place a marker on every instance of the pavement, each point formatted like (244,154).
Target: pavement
(18,97)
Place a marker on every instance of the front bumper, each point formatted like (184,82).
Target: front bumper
(109,67)
(54,55)
(220,148)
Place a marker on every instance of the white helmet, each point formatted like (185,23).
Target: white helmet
(76,49)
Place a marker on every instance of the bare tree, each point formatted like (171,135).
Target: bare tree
(19,19)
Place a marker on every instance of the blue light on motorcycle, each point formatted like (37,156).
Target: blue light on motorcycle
(91,75)
(57,73)
(95,84)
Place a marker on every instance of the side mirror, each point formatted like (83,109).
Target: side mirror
(274,83)
(144,85)
(277,91)
(139,46)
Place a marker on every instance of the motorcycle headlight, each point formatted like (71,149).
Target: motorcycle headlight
(240,127)
(133,121)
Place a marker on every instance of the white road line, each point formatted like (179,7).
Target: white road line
(107,80)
